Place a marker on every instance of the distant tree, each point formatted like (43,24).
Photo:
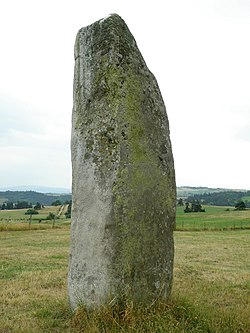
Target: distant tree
(56,203)
(222,198)
(9,205)
(52,217)
(68,213)
(187,208)
(195,207)
(31,196)
(23,204)
(38,206)
(180,202)
(3,206)
(240,205)
(31,212)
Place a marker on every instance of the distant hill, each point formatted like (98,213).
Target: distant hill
(32,197)
(36,188)
(47,195)
(187,191)
(220,197)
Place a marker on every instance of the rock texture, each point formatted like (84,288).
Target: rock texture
(123,210)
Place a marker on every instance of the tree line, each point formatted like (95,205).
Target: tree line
(32,197)
(25,204)
(225,198)
(195,206)
(33,209)
(15,205)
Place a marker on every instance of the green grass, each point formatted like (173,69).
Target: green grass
(17,220)
(215,218)
(19,214)
(15,215)
(33,277)
(210,291)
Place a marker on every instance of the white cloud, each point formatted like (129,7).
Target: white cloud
(198,51)
(34,149)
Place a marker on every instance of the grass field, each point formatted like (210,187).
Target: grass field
(19,214)
(215,218)
(210,293)
(17,220)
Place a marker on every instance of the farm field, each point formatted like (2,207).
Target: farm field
(210,291)
(17,220)
(214,218)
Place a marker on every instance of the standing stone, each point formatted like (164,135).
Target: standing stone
(123,210)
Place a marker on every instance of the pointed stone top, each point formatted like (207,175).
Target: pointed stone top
(109,35)
(110,16)
(114,18)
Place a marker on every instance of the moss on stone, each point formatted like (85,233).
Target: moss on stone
(121,121)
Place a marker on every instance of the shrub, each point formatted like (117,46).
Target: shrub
(31,211)
(240,205)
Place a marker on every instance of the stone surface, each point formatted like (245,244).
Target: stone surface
(123,189)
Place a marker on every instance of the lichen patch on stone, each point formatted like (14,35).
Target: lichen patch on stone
(123,210)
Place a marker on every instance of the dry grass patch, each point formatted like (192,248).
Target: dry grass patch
(210,292)
(16,220)
(33,277)
(22,226)
(27,299)
(213,270)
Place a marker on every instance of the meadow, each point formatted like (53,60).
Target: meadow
(214,218)
(210,291)
(17,219)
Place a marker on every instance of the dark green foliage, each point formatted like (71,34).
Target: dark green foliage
(38,206)
(195,207)
(7,205)
(31,211)
(180,202)
(240,205)
(4,206)
(23,204)
(17,205)
(225,198)
(187,209)
(56,203)
(51,216)
(33,197)
(68,213)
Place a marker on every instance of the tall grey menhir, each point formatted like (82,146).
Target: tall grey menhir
(124,195)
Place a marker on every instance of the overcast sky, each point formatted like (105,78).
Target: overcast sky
(198,50)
